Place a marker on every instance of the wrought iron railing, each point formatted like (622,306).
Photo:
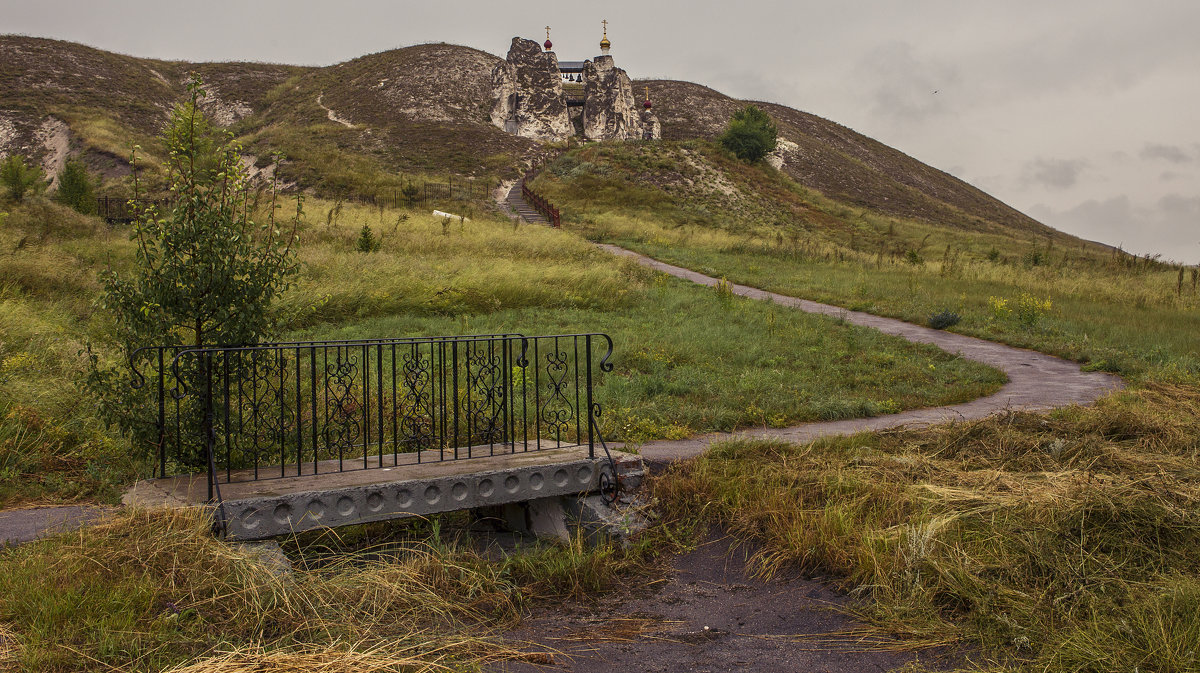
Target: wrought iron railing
(277,410)
(540,204)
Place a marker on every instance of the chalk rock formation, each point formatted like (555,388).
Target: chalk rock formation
(610,111)
(529,94)
(651,128)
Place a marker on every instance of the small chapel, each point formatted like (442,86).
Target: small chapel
(539,97)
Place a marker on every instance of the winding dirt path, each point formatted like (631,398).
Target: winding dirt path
(1036,381)
(709,612)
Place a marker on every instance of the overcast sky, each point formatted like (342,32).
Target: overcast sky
(1084,114)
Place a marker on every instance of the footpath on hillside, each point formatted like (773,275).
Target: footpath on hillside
(1036,381)
(709,612)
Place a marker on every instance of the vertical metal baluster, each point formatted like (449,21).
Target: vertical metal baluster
(395,411)
(228,442)
(179,448)
(575,375)
(470,411)
(537,396)
(299,418)
(162,418)
(591,439)
(454,402)
(206,424)
(493,411)
(442,399)
(506,387)
(312,378)
(366,405)
(525,395)
(282,415)
(379,399)
(240,394)
(338,350)
(257,416)
(557,425)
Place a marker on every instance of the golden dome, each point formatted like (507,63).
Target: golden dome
(604,43)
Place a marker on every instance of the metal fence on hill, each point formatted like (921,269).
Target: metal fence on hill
(113,210)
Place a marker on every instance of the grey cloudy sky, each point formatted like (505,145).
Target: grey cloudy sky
(1081,113)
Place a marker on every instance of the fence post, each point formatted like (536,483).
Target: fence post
(162,418)
(206,424)
(591,435)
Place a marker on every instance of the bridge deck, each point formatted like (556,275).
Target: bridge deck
(269,507)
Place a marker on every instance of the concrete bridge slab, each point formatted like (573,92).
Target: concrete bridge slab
(279,506)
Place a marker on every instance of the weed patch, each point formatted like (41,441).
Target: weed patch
(1043,540)
(144,591)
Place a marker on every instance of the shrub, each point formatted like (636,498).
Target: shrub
(75,188)
(943,319)
(750,135)
(367,242)
(410,193)
(1030,309)
(20,178)
(999,307)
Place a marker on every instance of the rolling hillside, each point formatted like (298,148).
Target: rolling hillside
(358,125)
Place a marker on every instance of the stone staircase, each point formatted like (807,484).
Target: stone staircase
(516,203)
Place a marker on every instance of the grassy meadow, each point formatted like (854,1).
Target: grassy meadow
(1038,542)
(1043,542)
(1050,292)
(155,591)
(1060,542)
(688,359)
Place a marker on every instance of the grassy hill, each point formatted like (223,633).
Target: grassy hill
(356,126)
(1054,542)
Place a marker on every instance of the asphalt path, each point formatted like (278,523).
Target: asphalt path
(1036,381)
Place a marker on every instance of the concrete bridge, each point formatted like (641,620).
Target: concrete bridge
(536,491)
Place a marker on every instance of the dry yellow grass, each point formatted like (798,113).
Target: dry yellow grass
(339,658)
(1067,542)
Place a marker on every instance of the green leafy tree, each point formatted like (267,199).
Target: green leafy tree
(20,178)
(750,134)
(75,188)
(206,271)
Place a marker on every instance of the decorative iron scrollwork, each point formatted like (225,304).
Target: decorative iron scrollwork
(414,406)
(488,386)
(557,412)
(343,423)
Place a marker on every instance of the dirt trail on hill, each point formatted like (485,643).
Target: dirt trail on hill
(1036,381)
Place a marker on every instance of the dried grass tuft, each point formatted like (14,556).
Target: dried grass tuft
(1023,533)
(338,658)
(8,644)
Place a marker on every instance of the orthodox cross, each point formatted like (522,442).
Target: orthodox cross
(547,32)
(605,22)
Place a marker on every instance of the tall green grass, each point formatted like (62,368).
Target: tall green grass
(1134,316)
(688,359)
